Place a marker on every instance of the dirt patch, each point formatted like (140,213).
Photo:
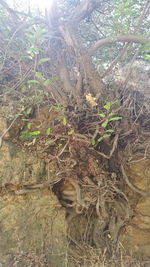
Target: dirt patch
(33,230)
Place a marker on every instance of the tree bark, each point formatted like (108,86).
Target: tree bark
(91,79)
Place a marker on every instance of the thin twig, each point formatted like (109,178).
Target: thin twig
(63,149)
(112,150)
(114,145)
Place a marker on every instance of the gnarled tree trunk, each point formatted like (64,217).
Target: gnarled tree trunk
(73,58)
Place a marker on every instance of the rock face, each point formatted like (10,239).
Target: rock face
(18,167)
(136,238)
(32,224)
(33,229)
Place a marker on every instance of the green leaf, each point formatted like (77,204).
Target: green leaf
(107,106)
(103,137)
(111,114)
(39,75)
(62,139)
(28,111)
(35,133)
(109,131)
(115,118)
(104,124)
(29,125)
(48,131)
(29,135)
(71,132)
(22,108)
(64,121)
(46,83)
(102,115)
(93,142)
(146,57)
(25,135)
(33,81)
(43,60)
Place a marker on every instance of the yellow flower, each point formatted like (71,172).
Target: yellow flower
(91,100)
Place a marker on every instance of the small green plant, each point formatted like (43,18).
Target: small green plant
(35,36)
(29,135)
(107,117)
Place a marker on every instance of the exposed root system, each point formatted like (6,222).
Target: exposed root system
(91,176)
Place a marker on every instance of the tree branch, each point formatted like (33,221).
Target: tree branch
(119,38)
(83,10)
(9,10)
(144,13)
(115,61)
(124,49)
(15,13)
